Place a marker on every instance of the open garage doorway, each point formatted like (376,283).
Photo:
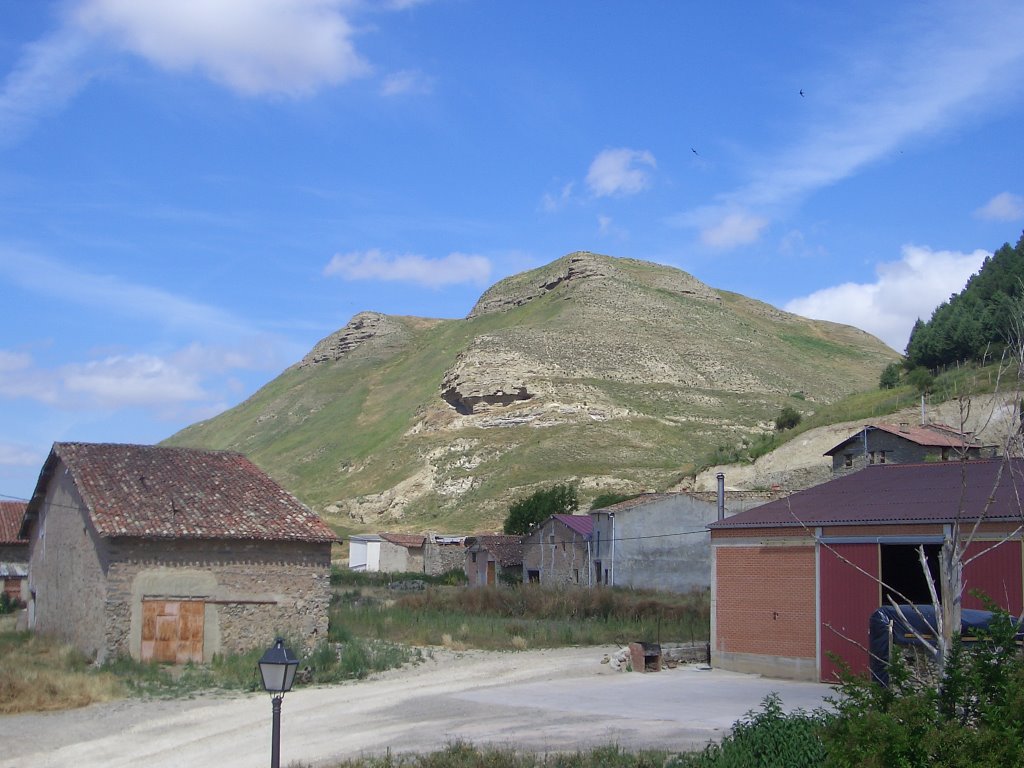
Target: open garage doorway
(902,575)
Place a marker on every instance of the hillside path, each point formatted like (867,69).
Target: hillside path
(545,700)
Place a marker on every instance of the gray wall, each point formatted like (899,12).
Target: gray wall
(662,543)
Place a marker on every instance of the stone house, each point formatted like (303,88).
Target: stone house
(171,554)
(13,550)
(559,551)
(401,552)
(443,553)
(905,444)
(660,540)
(492,559)
(795,581)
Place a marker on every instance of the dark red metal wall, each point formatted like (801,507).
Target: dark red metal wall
(849,594)
(998,573)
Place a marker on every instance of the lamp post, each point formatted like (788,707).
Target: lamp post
(277,672)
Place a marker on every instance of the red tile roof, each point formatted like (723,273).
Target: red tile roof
(11,514)
(939,492)
(147,491)
(407,540)
(507,550)
(930,435)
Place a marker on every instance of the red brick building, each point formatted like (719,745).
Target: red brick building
(797,579)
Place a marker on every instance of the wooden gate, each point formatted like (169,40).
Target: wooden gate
(172,631)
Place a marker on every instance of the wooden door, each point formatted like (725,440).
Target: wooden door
(490,572)
(172,631)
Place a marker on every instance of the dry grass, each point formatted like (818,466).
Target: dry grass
(39,674)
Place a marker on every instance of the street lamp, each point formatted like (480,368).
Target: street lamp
(277,672)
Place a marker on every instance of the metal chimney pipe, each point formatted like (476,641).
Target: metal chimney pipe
(720,477)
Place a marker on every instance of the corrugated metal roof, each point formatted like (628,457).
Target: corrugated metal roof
(11,515)
(13,570)
(939,492)
(581,524)
(148,491)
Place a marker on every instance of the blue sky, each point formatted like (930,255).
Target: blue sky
(193,193)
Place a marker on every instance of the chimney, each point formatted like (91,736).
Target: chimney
(720,477)
(904,426)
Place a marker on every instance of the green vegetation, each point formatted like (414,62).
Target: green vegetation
(526,514)
(788,418)
(519,617)
(977,323)
(609,498)
(463,755)
(38,673)
(768,738)
(890,378)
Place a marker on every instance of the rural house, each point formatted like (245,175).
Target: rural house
(659,540)
(559,551)
(430,553)
(171,554)
(905,444)
(491,559)
(13,550)
(797,579)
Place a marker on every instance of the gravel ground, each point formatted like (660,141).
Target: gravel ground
(548,700)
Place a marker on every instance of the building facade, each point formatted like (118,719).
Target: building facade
(171,554)
(796,580)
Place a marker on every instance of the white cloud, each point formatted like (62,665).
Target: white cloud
(123,381)
(16,455)
(374,264)
(905,290)
(47,277)
(48,75)
(406,81)
(961,62)
(552,203)
(723,226)
(255,47)
(1005,206)
(620,172)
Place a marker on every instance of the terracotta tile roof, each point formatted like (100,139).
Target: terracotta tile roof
(939,492)
(581,524)
(930,435)
(507,550)
(407,540)
(147,491)
(11,514)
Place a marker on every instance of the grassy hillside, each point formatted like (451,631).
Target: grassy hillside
(612,373)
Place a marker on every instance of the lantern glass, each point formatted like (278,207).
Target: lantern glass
(277,668)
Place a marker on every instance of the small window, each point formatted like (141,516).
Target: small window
(474,557)
(576,575)
(533,577)
(881,457)
(871,457)
(945,453)
(848,460)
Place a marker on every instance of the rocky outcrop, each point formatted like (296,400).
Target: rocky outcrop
(369,334)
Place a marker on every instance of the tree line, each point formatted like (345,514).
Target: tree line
(973,324)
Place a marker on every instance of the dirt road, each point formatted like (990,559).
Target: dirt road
(536,700)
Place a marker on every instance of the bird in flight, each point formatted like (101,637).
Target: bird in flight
(801,91)
(693,150)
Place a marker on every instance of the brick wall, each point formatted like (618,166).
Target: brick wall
(764,609)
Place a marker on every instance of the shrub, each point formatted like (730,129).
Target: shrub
(890,378)
(788,418)
(768,738)
(526,513)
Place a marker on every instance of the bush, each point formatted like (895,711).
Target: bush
(890,378)
(768,738)
(788,418)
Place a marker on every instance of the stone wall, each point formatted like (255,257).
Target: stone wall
(556,555)
(441,558)
(253,591)
(66,591)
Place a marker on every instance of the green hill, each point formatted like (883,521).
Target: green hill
(611,373)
